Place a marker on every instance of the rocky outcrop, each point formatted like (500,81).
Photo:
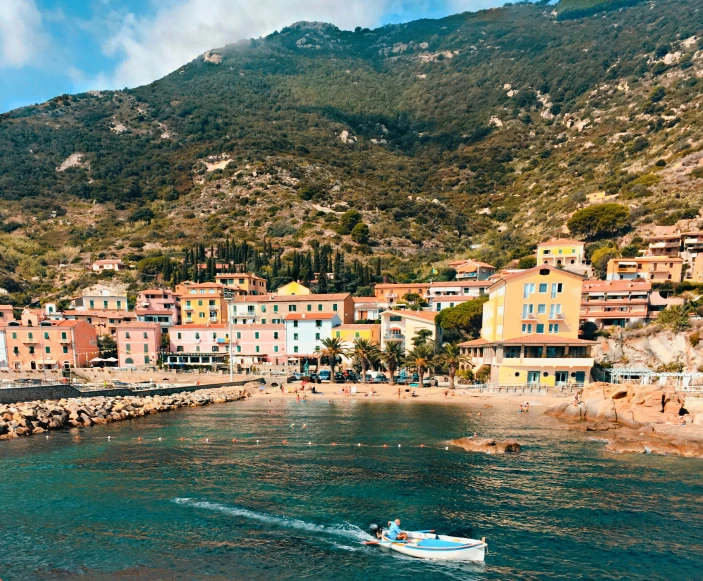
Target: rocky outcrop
(36,417)
(639,418)
(487,445)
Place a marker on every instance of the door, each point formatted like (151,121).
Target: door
(561,377)
(580,377)
(533,377)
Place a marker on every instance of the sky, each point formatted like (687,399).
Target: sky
(53,47)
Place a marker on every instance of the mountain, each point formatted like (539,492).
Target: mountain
(479,133)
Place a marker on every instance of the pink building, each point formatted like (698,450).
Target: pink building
(138,343)
(158,306)
(204,346)
(259,344)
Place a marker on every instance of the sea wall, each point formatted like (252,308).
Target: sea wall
(36,417)
(29,393)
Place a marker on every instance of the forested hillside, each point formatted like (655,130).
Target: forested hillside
(477,134)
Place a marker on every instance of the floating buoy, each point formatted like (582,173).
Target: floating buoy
(292,425)
(334,443)
(207,440)
(139,439)
(422,445)
(47,436)
(446,448)
(159,439)
(309,443)
(257,441)
(385,445)
(398,445)
(305,425)
(359,445)
(234,439)
(108,438)
(285,441)
(181,439)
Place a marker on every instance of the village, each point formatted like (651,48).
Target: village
(537,328)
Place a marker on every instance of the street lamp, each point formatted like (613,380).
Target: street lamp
(228,295)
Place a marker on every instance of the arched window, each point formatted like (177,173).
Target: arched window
(129,361)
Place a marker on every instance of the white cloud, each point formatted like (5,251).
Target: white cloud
(22,39)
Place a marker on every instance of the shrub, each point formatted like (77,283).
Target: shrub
(527,262)
(674,318)
(694,338)
(600,221)
(360,233)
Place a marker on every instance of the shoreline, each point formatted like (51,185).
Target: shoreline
(38,417)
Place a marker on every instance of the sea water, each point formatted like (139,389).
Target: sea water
(198,505)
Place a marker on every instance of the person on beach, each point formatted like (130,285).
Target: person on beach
(527,406)
(521,410)
(398,393)
(394,532)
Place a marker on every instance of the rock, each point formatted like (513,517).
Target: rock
(486,445)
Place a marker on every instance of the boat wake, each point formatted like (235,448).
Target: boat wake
(346,530)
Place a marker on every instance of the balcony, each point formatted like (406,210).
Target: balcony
(566,362)
(214,319)
(391,296)
(394,337)
(30,341)
(556,317)
(64,340)
(187,308)
(529,317)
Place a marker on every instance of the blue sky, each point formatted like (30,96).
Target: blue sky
(52,47)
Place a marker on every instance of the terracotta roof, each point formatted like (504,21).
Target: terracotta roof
(373,300)
(513,275)
(139,325)
(392,285)
(154,311)
(475,343)
(201,327)
(310,316)
(425,315)
(615,285)
(546,340)
(270,298)
(109,261)
(99,313)
(559,242)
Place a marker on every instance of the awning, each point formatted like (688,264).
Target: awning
(99,360)
(110,360)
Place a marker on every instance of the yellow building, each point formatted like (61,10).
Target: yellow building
(292,289)
(352,332)
(403,326)
(697,270)
(202,303)
(243,284)
(561,252)
(530,330)
(652,268)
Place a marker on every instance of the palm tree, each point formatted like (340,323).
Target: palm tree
(421,358)
(332,349)
(393,356)
(452,358)
(366,353)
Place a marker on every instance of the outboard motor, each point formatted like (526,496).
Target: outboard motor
(375,530)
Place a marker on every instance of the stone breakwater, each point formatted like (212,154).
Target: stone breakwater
(639,418)
(36,417)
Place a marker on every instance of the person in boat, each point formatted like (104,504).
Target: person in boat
(394,532)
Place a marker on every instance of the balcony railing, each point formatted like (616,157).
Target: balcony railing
(394,336)
(529,317)
(556,317)
(187,308)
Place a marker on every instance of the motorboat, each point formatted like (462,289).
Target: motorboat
(430,545)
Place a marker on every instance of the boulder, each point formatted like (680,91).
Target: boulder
(486,445)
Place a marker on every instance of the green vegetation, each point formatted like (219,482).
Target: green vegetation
(600,221)
(463,321)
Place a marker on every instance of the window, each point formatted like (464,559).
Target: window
(128,348)
(215,348)
(129,361)
(295,336)
(179,335)
(338,334)
(540,328)
(275,308)
(119,304)
(554,310)
(146,335)
(319,307)
(295,349)
(214,336)
(317,336)
(439,307)
(527,309)
(201,315)
(295,323)
(263,308)
(541,309)
(146,360)
(256,348)
(275,348)
(356,334)
(239,335)
(256,335)
(14,335)
(526,328)
(557,287)
(309,307)
(334,307)
(197,335)
(46,335)
(63,335)
(31,349)
(528,289)
(542,287)
(47,349)
(197,348)
(318,323)
(275,334)
(146,348)
(395,318)
(292,308)
(263,321)
(554,328)
(92,304)
(30,335)
(65,349)
(200,303)
(105,304)
(239,348)
(211,303)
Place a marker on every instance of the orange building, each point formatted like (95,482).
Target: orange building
(51,345)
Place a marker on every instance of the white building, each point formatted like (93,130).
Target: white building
(305,332)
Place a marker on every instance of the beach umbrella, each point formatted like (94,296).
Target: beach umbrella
(97,360)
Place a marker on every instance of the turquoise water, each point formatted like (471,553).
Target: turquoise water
(171,509)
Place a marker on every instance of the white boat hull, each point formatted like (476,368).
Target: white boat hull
(437,547)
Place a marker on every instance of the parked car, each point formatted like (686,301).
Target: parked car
(325,375)
(314,378)
(380,378)
(350,375)
(339,377)
(298,376)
